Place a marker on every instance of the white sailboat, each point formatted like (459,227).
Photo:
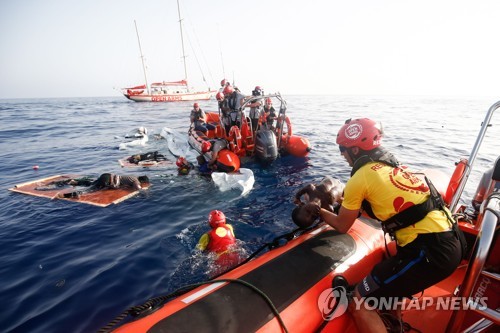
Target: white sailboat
(165,91)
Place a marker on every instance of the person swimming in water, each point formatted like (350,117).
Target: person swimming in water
(221,241)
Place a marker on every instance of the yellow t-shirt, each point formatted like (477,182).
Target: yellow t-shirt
(205,239)
(390,190)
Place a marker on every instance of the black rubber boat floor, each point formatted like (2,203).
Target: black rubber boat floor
(237,308)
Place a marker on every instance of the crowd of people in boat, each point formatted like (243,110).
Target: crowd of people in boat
(230,102)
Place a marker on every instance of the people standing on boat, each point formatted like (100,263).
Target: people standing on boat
(428,240)
(327,194)
(220,240)
(198,117)
(234,100)
(269,113)
(109,181)
(223,84)
(255,109)
(220,98)
(224,112)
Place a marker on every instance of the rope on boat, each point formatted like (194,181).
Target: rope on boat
(153,303)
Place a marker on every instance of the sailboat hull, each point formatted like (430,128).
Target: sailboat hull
(205,95)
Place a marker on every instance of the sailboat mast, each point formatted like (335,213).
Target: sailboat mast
(182,43)
(142,57)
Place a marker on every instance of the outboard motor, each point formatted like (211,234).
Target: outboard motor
(266,148)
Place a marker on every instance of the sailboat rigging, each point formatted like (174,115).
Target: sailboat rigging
(165,91)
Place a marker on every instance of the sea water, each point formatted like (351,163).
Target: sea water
(71,267)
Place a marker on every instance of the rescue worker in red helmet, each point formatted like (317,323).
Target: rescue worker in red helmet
(429,246)
(213,157)
(221,241)
(255,108)
(231,108)
(198,119)
(223,111)
(220,237)
(219,96)
(223,84)
(183,166)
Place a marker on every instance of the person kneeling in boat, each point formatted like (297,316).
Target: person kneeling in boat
(109,181)
(327,195)
(216,160)
(220,240)
(428,240)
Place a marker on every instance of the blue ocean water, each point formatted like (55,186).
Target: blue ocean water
(69,267)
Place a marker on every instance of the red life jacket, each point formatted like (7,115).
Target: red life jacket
(220,239)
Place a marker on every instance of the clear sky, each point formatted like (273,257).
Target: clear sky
(75,48)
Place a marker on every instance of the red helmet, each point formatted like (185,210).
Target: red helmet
(228,90)
(216,218)
(181,161)
(269,101)
(219,96)
(363,133)
(257,88)
(223,82)
(205,146)
(196,105)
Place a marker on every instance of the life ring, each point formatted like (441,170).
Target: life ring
(235,142)
(455,180)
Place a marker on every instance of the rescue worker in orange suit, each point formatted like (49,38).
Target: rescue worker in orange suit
(220,240)
(214,157)
(429,243)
